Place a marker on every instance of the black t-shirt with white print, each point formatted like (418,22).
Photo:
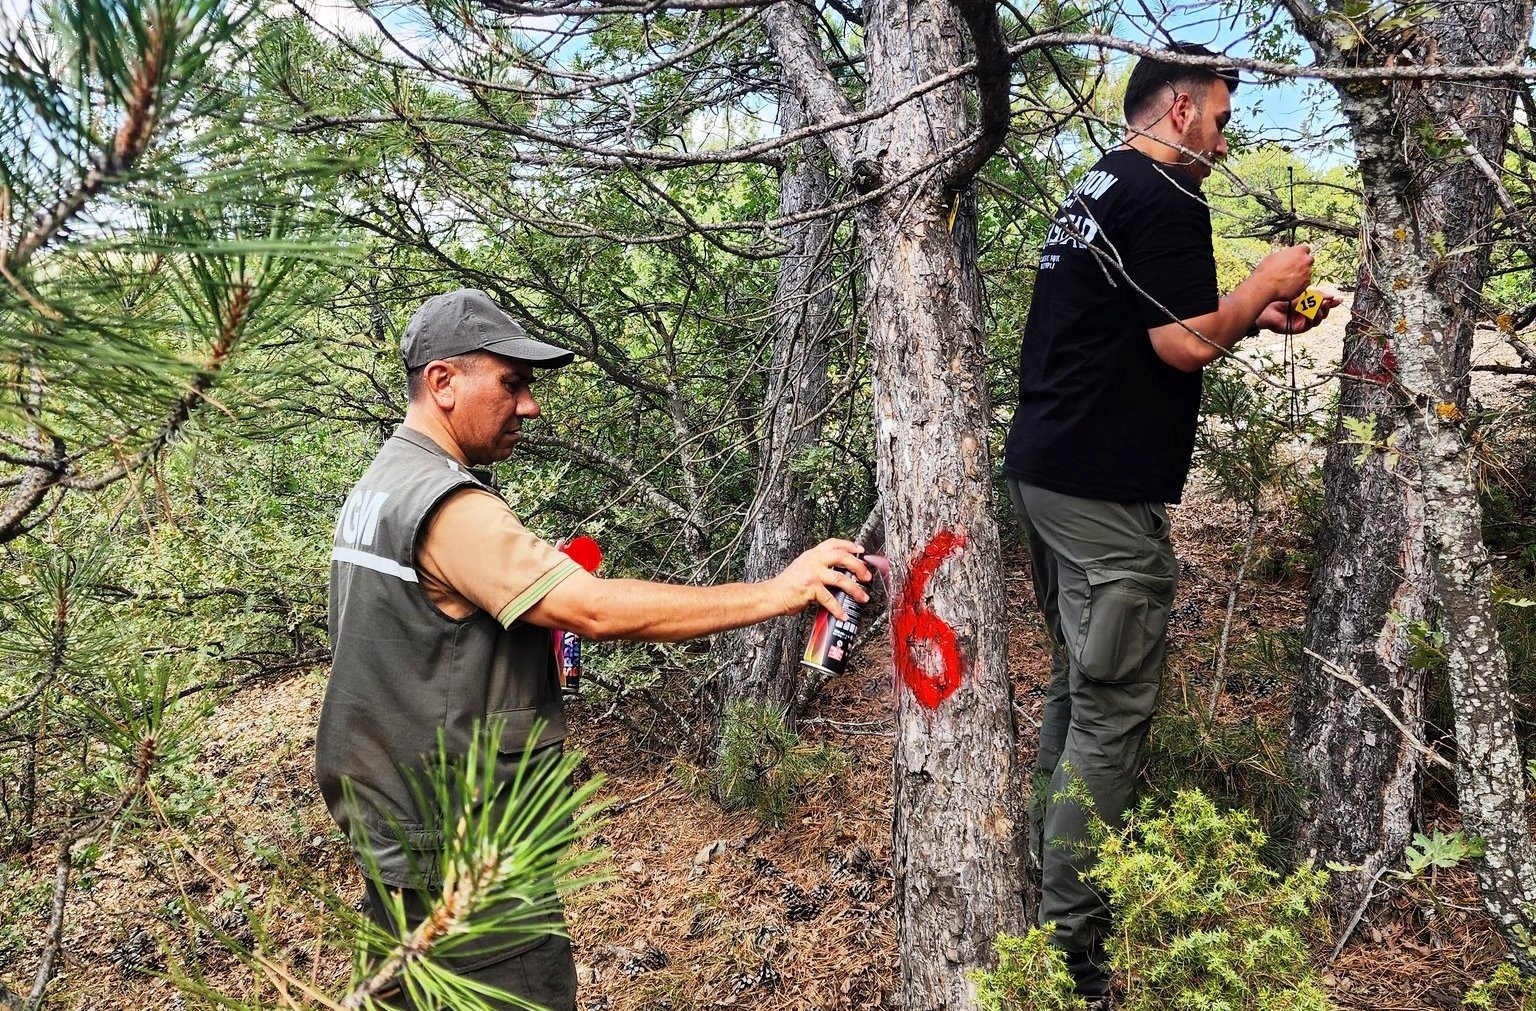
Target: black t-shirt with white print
(1100,415)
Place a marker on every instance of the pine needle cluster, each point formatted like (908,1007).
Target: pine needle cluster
(764,765)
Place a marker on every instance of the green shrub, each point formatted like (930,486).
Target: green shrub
(1507,989)
(1031,975)
(1200,924)
(762,764)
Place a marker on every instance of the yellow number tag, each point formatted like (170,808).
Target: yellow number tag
(1307,303)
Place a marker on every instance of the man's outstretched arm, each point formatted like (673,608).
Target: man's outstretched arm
(596,608)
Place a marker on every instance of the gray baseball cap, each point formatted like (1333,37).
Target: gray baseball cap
(467,320)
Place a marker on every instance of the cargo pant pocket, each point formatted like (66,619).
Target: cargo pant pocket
(1122,623)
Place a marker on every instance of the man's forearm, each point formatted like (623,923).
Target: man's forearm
(655,612)
(666,612)
(1191,343)
(1239,311)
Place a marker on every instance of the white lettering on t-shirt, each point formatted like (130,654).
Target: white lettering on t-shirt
(1095,184)
(1077,230)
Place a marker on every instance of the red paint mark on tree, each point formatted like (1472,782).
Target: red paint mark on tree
(915,624)
(1384,376)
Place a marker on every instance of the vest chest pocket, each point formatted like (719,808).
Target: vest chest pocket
(518,686)
(517,729)
(1122,625)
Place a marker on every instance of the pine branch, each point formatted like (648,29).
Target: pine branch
(35,485)
(38,480)
(58,644)
(129,144)
(458,901)
(233,320)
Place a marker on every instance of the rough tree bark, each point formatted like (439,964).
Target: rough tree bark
(1428,206)
(761,661)
(956,853)
(1359,776)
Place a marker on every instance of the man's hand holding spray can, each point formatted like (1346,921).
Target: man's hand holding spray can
(584,552)
(832,637)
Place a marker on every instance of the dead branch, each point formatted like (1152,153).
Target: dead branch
(1226,625)
(144,762)
(1409,736)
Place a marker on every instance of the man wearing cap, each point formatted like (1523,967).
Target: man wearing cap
(441,604)
(1125,313)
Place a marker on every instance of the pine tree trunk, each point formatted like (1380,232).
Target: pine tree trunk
(956,855)
(761,661)
(1359,776)
(1428,206)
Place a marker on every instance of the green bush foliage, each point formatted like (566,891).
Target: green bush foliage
(1031,975)
(1200,922)
(763,765)
(1506,990)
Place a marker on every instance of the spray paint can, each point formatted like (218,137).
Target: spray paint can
(570,663)
(584,552)
(832,637)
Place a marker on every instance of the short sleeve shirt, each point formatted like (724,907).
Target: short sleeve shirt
(475,554)
(1100,415)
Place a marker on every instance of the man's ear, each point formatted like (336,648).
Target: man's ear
(437,380)
(1184,112)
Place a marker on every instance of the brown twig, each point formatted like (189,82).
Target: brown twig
(1386,710)
(1226,625)
(144,762)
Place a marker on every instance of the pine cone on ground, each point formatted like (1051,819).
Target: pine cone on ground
(798,906)
(137,955)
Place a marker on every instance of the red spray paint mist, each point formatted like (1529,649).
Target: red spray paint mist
(584,552)
(832,637)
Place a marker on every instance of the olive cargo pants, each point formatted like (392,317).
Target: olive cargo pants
(1104,574)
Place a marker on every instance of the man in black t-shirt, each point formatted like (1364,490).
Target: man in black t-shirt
(1125,313)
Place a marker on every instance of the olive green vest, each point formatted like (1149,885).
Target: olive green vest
(401,669)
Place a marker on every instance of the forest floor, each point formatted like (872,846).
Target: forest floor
(708,909)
